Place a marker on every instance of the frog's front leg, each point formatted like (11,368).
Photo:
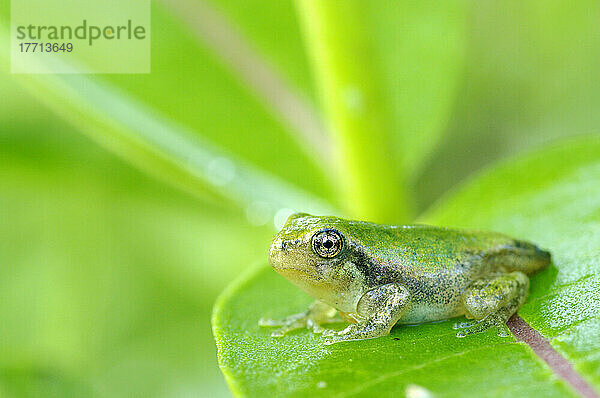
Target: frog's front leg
(318,313)
(380,308)
(491,301)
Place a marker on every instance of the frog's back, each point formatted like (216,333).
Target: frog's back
(430,249)
(436,264)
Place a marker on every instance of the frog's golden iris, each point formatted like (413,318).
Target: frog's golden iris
(327,243)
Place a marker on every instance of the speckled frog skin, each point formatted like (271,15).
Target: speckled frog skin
(377,276)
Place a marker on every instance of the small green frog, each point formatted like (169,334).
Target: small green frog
(379,275)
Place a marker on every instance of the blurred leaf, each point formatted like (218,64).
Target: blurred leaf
(31,382)
(280,98)
(421,49)
(142,119)
(107,277)
(191,86)
(551,197)
(530,77)
(272,26)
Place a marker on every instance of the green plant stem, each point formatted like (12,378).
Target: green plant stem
(160,147)
(351,89)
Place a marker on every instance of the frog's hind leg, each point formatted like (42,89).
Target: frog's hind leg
(491,301)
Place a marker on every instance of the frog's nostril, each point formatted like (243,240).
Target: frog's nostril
(276,246)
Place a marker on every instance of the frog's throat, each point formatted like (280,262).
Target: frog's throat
(314,286)
(293,274)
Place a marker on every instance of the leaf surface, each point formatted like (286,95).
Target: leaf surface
(421,49)
(551,197)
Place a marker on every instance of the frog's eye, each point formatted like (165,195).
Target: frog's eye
(327,243)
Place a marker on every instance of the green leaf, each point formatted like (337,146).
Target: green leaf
(107,278)
(505,103)
(551,197)
(197,101)
(421,47)
(185,133)
(271,26)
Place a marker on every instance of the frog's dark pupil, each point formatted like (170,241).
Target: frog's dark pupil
(327,244)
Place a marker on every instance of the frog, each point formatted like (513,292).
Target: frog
(375,276)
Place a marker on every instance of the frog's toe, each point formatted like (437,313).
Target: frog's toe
(333,338)
(278,333)
(464,333)
(314,326)
(470,330)
(481,326)
(328,332)
(330,340)
(287,327)
(462,325)
(503,330)
(269,322)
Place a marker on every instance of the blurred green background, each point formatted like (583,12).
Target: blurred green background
(108,275)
